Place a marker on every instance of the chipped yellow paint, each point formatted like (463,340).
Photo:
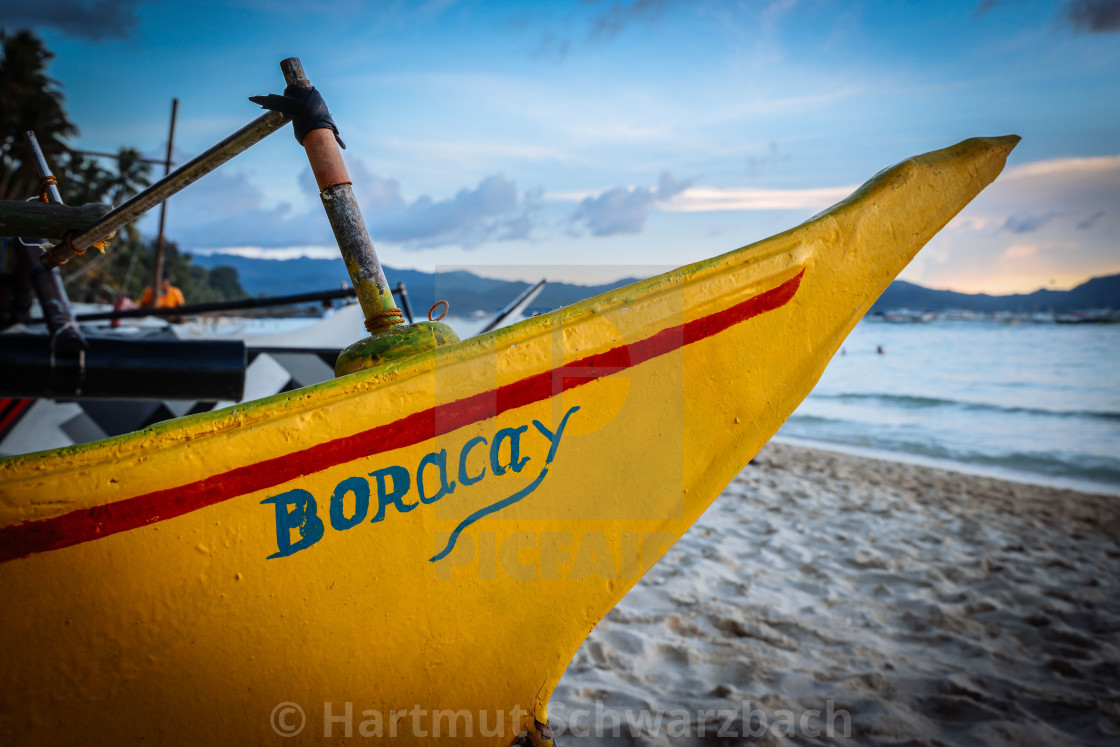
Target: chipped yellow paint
(141,602)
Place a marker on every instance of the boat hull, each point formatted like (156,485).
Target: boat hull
(418,550)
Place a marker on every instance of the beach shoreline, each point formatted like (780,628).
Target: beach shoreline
(1084,486)
(829,598)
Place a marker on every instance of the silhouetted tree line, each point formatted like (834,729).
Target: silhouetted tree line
(31,100)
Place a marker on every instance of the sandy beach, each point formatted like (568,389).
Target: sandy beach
(832,599)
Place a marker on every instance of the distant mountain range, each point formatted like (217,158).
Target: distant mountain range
(465,291)
(468,293)
(1097,293)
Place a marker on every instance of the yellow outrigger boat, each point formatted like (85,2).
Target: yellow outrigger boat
(417,550)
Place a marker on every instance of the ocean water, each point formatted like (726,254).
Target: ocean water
(1037,403)
(1034,402)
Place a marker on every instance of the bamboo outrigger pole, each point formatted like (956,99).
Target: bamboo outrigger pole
(188,173)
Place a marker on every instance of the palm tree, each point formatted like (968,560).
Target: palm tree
(131,177)
(29,100)
(82,179)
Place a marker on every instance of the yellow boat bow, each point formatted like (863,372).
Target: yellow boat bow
(417,550)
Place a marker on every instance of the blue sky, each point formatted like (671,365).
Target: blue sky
(592,140)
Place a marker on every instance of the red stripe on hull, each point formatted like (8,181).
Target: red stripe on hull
(10,412)
(20,540)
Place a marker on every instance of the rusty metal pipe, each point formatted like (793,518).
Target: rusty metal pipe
(366,273)
(47,282)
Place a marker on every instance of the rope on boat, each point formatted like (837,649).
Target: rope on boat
(68,237)
(45,183)
(384,320)
(99,245)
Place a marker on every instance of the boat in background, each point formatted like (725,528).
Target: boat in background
(281,355)
(1090,316)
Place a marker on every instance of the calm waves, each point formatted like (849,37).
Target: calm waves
(1034,402)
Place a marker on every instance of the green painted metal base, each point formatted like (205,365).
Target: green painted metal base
(393,344)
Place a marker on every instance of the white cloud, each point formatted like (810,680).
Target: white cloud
(492,211)
(1018,251)
(1030,222)
(715,199)
(1054,221)
(702,199)
(1067,168)
(623,210)
(272,252)
(226,211)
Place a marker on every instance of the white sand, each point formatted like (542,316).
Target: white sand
(934,608)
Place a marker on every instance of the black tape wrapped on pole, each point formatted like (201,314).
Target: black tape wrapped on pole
(305,107)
